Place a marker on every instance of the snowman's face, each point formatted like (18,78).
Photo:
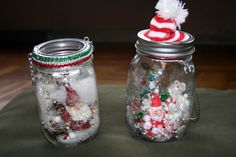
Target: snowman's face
(177,88)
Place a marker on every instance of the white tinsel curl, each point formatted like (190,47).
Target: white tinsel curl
(172,9)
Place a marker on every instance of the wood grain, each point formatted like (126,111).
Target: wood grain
(215,67)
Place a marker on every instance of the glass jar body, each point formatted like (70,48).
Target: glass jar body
(67,103)
(160,97)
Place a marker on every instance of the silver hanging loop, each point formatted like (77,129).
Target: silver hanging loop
(86,39)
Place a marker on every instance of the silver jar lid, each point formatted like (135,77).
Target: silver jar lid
(164,49)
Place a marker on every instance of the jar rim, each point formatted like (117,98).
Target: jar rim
(164,49)
(63,52)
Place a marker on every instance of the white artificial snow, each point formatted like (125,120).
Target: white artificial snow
(56,92)
(86,89)
(172,9)
(72,135)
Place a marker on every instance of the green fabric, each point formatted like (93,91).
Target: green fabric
(214,135)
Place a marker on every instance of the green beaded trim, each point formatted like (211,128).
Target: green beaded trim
(70,58)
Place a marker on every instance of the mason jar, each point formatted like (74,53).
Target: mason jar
(161,90)
(65,86)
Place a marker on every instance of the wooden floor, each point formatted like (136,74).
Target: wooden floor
(215,66)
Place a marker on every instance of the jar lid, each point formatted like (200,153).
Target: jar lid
(167,50)
(62,53)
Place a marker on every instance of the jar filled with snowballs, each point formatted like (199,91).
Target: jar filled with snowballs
(65,86)
(161,94)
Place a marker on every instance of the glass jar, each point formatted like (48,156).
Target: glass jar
(65,86)
(161,92)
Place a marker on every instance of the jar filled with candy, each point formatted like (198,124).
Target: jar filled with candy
(65,86)
(161,92)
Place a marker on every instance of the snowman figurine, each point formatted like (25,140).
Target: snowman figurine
(176,91)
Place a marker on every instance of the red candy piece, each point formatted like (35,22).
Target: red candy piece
(65,116)
(156,101)
(72,96)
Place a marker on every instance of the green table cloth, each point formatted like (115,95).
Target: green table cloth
(214,135)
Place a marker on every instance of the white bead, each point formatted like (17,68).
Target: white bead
(156,90)
(146,118)
(168,100)
(186,95)
(155,130)
(147,125)
(57,119)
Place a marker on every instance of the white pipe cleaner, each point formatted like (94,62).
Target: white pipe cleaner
(172,9)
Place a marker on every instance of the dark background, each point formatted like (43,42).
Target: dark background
(34,21)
